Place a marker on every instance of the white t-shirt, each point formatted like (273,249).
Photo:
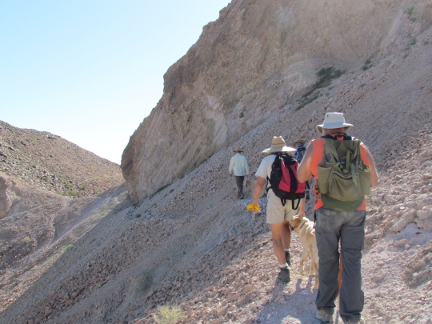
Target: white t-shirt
(265,167)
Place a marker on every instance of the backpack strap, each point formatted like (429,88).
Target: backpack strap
(297,205)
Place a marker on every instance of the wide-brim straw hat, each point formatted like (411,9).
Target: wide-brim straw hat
(238,149)
(278,145)
(333,120)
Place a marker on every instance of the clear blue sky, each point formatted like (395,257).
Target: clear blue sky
(91,71)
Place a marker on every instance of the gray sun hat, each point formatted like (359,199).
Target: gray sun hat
(238,149)
(333,120)
(278,145)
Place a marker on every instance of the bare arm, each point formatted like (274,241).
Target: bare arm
(258,189)
(302,210)
(374,173)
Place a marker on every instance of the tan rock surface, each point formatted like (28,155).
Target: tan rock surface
(254,60)
(192,244)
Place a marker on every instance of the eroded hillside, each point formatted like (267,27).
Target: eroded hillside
(51,163)
(193,245)
(254,60)
(50,189)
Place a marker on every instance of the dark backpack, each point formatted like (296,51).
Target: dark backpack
(299,154)
(283,180)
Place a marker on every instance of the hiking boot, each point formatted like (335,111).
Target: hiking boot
(323,316)
(284,275)
(288,257)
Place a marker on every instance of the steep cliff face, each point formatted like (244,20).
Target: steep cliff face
(258,57)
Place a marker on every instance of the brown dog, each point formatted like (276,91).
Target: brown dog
(305,229)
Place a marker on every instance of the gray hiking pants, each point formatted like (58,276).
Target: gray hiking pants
(348,227)
(239,182)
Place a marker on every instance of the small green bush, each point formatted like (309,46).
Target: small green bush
(61,193)
(83,186)
(145,282)
(161,188)
(73,193)
(67,186)
(168,315)
(26,239)
(307,100)
(410,11)
(367,64)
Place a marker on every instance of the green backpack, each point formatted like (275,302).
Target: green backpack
(343,178)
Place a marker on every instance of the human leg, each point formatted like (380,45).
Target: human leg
(278,242)
(352,241)
(278,217)
(327,229)
(277,238)
(239,182)
(286,241)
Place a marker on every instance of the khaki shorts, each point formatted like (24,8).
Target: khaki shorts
(276,213)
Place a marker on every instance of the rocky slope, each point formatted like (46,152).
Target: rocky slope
(254,60)
(193,245)
(51,163)
(48,186)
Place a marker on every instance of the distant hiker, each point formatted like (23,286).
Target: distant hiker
(240,168)
(340,214)
(300,147)
(278,213)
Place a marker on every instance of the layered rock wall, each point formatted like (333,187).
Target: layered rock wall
(258,57)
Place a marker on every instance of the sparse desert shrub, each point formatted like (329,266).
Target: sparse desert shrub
(26,239)
(367,64)
(168,315)
(160,189)
(145,281)
(307,100)
(326,75)
(410,11)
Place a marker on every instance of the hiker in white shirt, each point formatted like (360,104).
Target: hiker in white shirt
(239,168)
